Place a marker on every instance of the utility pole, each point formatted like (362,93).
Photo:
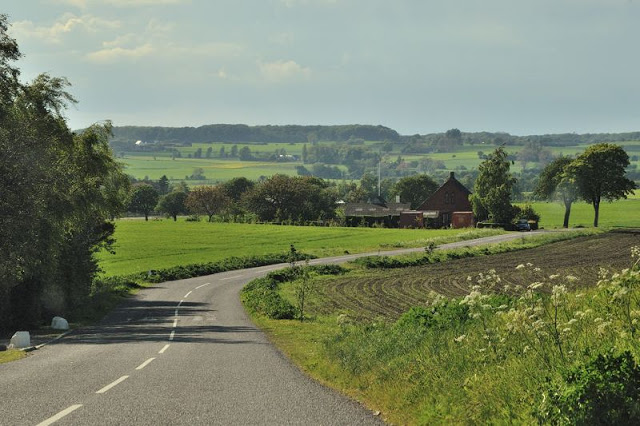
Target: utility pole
(379,163)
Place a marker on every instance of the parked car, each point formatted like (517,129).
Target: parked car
(523,225)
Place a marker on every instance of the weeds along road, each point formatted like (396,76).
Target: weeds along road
(182,352)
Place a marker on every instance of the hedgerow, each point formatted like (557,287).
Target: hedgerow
(261,295)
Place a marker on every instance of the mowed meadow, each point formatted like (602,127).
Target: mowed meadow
(142,246)
(623,213)
(154,165)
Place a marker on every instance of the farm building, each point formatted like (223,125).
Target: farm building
(376,211)
(448,206)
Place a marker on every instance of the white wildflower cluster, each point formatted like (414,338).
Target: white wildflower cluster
(436,299)
(621,290)
(481,309)
(541,320)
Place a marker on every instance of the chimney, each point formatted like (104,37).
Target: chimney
(451,175)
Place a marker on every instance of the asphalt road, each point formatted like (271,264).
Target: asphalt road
(182,352)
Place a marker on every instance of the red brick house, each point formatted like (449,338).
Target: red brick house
(448,206)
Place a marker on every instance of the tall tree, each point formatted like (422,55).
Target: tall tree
(209,200)
(144,199)
(556,183)
(173,204)
(300,198)
(58,193)
(600,173)
(415,189)
(236,187)
(492,189)
(163,185)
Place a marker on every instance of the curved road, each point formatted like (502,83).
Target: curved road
(182,352)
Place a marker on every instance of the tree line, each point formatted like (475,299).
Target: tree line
(279,198)
(245,133)
(440,142)
(59,192)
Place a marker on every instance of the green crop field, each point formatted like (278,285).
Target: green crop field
(621,213)
(154,165)
(215,170)
(156,244)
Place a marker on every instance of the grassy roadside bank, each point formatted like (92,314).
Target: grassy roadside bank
(487,359)
(11,355)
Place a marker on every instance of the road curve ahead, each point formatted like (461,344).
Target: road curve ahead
(182,352)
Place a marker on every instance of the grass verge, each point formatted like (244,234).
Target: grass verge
(11,355)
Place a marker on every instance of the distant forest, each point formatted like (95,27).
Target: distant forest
(258,134)
(298,133)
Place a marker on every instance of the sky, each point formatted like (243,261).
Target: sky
(417,66)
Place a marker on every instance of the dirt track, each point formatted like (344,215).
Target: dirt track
(389,293)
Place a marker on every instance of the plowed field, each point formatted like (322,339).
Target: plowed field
(389,293)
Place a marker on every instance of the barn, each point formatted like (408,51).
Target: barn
(377,211)
(448,206)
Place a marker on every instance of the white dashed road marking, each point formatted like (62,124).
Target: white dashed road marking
(230,278)
(144,364)
(60,415)
(109,386)
(164,349)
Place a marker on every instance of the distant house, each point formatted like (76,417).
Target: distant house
(376,211)
(448,206)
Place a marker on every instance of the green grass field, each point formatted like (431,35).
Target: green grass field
(621,213)
(215,170)
(155,165)
(163,243)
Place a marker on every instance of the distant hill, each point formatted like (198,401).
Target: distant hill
(241,133)
(244,133)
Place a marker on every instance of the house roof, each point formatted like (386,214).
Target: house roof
(452,181)
(375,210)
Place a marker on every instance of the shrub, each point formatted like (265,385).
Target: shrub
(604,390)
(261,296)
(442,315)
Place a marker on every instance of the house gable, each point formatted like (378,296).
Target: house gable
(451,197)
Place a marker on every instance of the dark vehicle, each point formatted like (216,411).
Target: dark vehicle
(523,225)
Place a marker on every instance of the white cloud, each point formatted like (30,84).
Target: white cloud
(135,3)
(292,3)
(115,54)
(83,4)
(64,26)
(281,70)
